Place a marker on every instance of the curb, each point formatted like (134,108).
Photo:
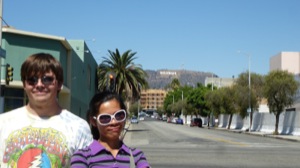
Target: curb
(281,137)
(126,127)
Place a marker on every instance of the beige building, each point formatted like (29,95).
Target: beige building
(289,61)
(152,99)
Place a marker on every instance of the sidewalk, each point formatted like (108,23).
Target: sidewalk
(126,127)
(293,138)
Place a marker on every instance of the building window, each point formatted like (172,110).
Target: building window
(13,98)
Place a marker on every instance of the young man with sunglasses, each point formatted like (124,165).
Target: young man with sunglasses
(107,117)
(41,134)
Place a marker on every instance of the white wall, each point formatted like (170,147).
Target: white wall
(289,122)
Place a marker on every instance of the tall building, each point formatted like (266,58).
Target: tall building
(152,99)
(289,61)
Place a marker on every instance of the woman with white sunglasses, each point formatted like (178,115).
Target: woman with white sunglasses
(107,117)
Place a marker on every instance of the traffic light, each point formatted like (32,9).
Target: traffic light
(9,74)
(111,82)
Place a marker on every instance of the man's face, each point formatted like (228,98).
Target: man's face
(42,89)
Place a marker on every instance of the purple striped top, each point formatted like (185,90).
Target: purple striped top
(96,155)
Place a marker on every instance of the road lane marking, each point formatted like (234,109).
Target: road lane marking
(228,141)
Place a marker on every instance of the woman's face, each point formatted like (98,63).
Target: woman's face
(113,130)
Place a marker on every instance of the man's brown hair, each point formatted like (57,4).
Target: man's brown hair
(39,64)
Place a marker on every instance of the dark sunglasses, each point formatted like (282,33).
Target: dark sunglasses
(46,80)
(105,119)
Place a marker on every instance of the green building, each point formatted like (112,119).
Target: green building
(80,68)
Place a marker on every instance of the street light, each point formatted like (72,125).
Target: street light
(212,81)
(249,110)
(111,77)
(182,104)
(139,99)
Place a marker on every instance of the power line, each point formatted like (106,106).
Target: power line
(4,21)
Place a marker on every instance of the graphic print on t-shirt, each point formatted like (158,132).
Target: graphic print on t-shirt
(36,148)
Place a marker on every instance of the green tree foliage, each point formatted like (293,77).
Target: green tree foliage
(222,101)
(129,78)
(256,89)
(197,99)
(213,101)
(228,102)
(160,110)
(279,89)
(175,102)
(246,96)
(133,110)
(241,99)
(175,84)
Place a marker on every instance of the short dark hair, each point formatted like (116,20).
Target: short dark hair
(97,100)
(40,63)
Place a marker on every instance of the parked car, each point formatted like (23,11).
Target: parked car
(134,120)
(179,121)
(174,120)
(164,118)
(196,122)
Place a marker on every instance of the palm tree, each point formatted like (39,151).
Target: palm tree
(128,78)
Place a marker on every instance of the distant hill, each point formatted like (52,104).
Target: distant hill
(161,78)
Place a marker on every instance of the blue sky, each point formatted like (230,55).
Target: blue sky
(197,35)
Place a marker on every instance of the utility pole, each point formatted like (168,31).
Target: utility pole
(2,55)
(212,81)
(182,104)
(249,110)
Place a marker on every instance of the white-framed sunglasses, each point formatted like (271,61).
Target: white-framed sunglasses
(105,119)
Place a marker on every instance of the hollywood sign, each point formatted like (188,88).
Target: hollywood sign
(167,73)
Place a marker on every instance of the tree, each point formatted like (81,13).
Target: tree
(160,110)
(214,101)
(241,101)
(175,84)
(241,86)
(229,104)
(197,99)
(172,96)
(129,78)
(279,89)
(133,110)
(222,101)
(175,102)
(168,102)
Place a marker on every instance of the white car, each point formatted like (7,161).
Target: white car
(134,120)
(174,120)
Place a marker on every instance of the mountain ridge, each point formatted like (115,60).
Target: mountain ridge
(159,79)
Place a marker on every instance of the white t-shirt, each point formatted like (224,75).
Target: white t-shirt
(28,140)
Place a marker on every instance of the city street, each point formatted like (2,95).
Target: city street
(171,145)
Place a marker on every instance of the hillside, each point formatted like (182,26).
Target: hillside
(161,78)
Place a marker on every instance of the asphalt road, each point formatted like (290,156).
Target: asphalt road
(171,145)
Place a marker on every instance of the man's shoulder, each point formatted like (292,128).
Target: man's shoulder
(71,117)
(18,111)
